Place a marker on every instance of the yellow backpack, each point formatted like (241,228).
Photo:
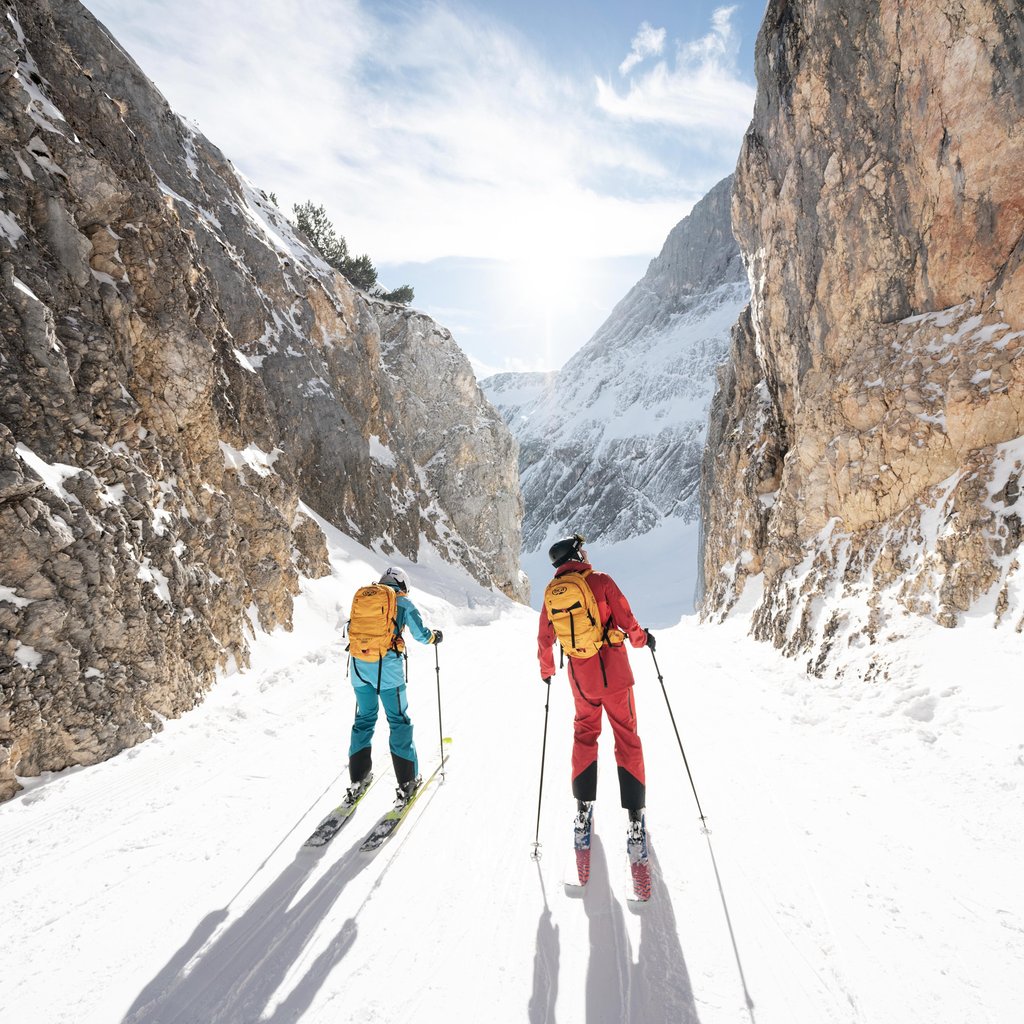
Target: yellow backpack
(572,609)
(372,622)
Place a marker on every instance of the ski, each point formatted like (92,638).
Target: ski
(639,885)
(388,824)
(579,870)
(337,819)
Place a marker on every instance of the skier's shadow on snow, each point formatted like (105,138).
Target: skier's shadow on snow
(655,988)
(234,978)
(545,965)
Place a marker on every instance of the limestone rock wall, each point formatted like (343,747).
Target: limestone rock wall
(178,374)
(865,433)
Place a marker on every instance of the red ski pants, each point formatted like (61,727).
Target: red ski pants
(629,754)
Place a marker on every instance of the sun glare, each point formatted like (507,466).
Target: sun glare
(553,280)
(548,293)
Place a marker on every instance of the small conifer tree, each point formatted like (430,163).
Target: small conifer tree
(360,271)
(312,220)
(402,295)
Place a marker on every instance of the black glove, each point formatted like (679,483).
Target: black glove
(650,639)
(437,637)
(547,679)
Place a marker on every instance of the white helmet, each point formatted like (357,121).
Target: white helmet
(395,578)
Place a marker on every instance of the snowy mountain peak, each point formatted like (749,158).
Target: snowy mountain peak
(611,444)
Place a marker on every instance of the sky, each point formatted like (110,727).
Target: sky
(519,164)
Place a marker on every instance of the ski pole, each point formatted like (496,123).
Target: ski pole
(440,728)
(543,752)
(703,820)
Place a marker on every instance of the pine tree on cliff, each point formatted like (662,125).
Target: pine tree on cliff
(312,220)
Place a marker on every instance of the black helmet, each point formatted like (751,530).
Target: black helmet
(566,549)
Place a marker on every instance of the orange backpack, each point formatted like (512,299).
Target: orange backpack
(372,622)
(573,611)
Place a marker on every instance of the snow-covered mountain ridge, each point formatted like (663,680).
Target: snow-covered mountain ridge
(611,444)
(177,371)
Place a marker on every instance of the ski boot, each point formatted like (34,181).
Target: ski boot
(356,790)
(404,792)
(582,823)
(582,829)
(636,833)
(636,848)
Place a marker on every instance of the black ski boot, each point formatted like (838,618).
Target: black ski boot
(636,848)
(581,825)
(405,790)
(357,789)
(636,836)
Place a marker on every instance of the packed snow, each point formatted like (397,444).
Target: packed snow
(53,475)
(863,860)
(11,230)
(253,457)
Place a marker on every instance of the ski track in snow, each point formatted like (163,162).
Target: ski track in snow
(862,864)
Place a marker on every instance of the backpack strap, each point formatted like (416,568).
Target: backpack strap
(604,628)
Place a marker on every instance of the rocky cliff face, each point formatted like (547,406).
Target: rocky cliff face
(611,444)
(864,453)
(178,373)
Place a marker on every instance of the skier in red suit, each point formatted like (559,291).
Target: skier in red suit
(603,682)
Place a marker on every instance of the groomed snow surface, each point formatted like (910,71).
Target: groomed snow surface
(864,860)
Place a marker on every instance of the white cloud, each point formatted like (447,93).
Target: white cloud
(720,44)
(648,42)
(425,132)
(701,91)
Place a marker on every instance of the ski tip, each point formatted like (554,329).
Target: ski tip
(637,901)
(639,885)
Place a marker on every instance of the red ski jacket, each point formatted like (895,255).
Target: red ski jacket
(608,670)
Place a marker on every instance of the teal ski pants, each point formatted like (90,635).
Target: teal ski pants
(403,751)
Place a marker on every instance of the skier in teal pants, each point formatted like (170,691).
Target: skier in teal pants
(377,674)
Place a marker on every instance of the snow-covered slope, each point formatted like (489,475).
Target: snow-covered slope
(611,444)
(863,863)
